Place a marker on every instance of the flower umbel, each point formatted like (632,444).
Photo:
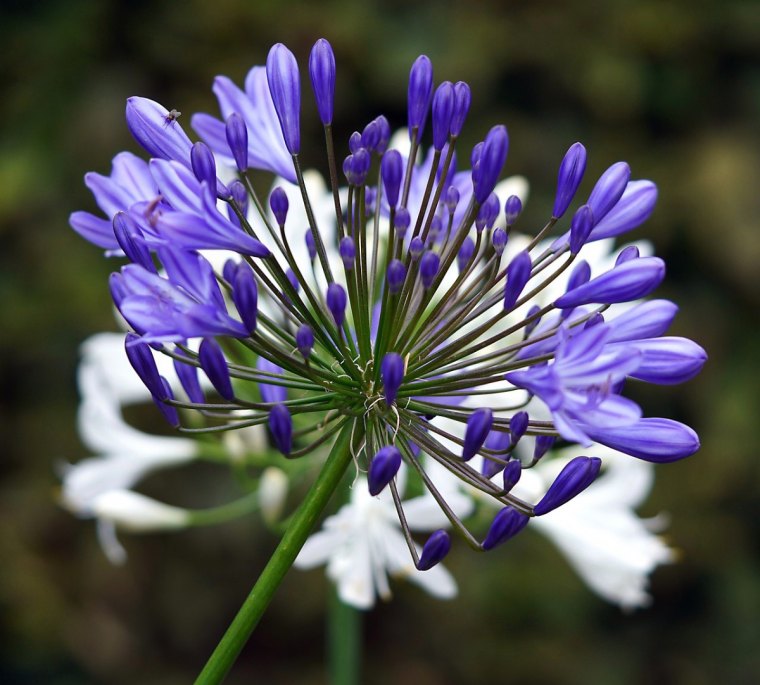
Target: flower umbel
(414,315)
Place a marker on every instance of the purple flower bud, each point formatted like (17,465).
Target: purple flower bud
(435,230)
(322,73)
(488,213)
(278,202)
(285,87)
(512,209)
(518,424)
(142,361)
(311,245)
(577,475)
(511,474)
(420,94)
(203,164)
(466,251)
(632,210)
(245,295)
(237,139)
(117,288)
(462,99)
(609,189)
(646,320)
(169,412)
(229,269)
(497,441)
(355,142)
(370,136)
(214,365)
(402,221)
(569,178)
(518,274)
(451,198)
(543,444)
(477,151)
(443,108)
(434,550)
(580,228)
(384,134)
(657,440)
(336,303)
(305,340)
(240,198)
(506,524)
(627,254)
(293,280)
(478,426)
(395,276)
(581,274)
(416,247)
(392,373)
(499,240)
(392,172)
(347,252)
(383,469)
(628,281)
(157,130)
(668,360)
(188,378)
(281,428)
(429,265)
(130,239)
(491,162)
(534,309)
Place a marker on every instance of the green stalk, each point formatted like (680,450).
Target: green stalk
(344,638)
(301,524)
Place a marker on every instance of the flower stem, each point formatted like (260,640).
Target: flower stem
(344,642)
(301,524)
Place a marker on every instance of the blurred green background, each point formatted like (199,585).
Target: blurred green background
(672,87)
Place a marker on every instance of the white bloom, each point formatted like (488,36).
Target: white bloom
(363,544)
(137,513)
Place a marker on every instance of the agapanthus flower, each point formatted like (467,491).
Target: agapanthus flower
(415,301)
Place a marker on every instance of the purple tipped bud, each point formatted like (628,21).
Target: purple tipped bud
(534,309)
(336,303)
(570,176)
(347,251)
(305,341)
(497,441)
(434,550)
(543,444)
(627,254)
(384,134)
(609,189)
(506,524)
(466,251)
(420,94)
(488,213)
(322,73)
(383,469)
(518,274)
(581,274)
(462,99)
(293,279)
(392,373)
(491,162)
(402,221)
(512,209)
(130,239)
(237,139)
(157,130)
(240,198)
(416,247)
(443,109)
(203,164)
(392,171)
(511,474)
(395,276)
(311,245)
(577,475)
(278,202)
(356,167)
(429,265)
(499,240)
(285,87)
(518,424)
(169,412)
(580,228)
(657,440)
(632,210)
(628,281)
(370,135)
(215,367)
(281,428)
(355,142)
(451,199)
(188,378)
(142,361)
(245,295)
(478,426)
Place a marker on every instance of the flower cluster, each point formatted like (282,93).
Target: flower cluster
(413,316)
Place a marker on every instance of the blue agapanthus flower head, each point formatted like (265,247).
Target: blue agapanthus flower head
(412,311)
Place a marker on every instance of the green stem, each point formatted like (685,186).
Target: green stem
(301,524)
(344,642)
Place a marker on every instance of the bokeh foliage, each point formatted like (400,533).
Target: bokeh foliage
(673,87)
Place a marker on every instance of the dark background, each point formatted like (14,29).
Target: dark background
(672,87)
